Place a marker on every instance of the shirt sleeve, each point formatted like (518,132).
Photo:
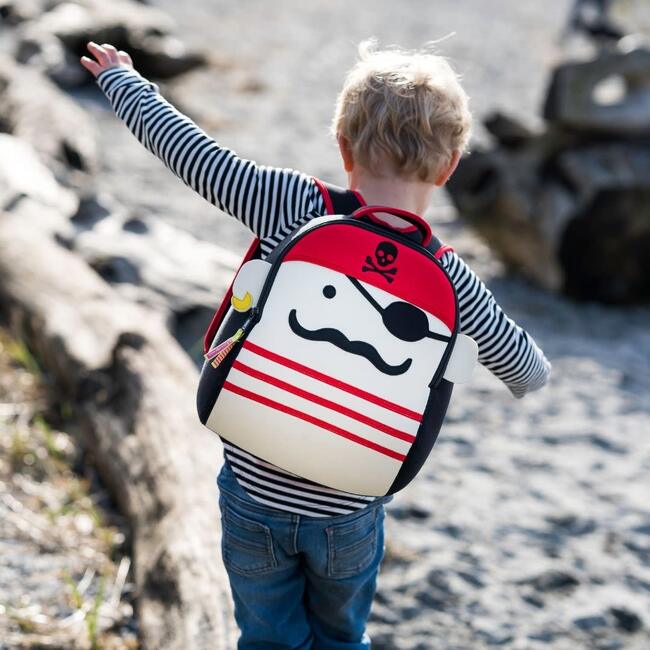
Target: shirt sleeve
(505,349)
(268,200)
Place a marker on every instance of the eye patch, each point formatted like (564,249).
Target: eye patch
(403,320)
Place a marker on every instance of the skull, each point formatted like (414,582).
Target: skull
(386,253)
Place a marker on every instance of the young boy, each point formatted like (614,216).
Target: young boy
(303,558)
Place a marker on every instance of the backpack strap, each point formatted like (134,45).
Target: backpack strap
(337,199)
(253,252)
(341,201)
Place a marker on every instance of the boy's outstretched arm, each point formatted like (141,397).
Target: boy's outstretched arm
(505,349)
(268,200)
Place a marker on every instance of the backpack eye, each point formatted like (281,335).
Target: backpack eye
(405,321)
(329,291)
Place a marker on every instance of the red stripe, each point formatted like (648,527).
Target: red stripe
(294,365)
(396,433)
(312,420)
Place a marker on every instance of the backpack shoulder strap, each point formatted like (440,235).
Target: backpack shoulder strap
(253,252)
(337,199)
(341,201)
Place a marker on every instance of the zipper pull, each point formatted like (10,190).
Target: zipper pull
(220,352)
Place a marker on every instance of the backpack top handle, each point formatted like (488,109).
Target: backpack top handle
(411,217)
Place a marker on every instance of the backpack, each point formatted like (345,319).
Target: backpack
(334,358)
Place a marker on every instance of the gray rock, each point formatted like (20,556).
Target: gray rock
(626,619)
(590,623)
(552,580)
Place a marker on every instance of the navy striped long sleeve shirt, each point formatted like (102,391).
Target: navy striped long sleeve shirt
(271,202)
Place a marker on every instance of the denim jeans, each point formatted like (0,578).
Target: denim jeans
(299,582)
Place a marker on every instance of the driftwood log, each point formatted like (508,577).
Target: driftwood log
(132,387)
(568,207)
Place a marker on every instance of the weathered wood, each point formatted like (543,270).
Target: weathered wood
(572,100)
(529,196)
(133,391)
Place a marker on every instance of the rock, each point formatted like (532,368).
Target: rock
(572,524)
(573,97)
(626,619)
(552,580)
(590,623)
(35,110)
(55,42)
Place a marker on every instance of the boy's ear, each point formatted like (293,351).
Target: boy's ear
(346,153)
(445,173)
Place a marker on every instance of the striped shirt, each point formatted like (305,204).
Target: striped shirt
(272,202)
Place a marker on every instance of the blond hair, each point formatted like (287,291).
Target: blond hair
(403,108)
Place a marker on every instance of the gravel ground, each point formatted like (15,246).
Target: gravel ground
(529,526)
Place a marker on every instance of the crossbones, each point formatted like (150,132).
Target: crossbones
(386,273)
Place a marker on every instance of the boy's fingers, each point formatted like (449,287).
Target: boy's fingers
(124,57)
(111,52)
(99,53)
(90,65)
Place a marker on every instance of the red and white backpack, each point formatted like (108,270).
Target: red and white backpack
(334,358)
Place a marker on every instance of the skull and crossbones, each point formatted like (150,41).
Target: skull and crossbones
(385,255)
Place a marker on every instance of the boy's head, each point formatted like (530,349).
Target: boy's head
(402,113)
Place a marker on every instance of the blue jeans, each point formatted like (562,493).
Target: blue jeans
(299,582)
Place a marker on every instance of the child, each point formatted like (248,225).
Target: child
(302,558)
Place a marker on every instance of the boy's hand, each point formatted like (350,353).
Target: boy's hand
(107,57)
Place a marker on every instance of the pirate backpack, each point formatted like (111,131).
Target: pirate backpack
(334,357)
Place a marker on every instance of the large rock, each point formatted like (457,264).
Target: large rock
(37,111)
(57,40)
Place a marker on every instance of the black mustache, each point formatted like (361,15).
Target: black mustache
(338,339)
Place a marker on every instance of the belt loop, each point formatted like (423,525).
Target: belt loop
(296,526)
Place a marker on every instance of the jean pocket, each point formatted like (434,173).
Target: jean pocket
(246,544)
(352,546)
